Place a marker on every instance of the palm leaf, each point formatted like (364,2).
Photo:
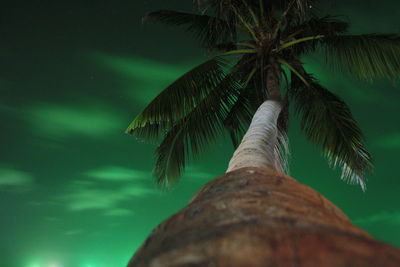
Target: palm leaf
(282,148)
(327,26)
(224,47)
(174,102)
(254,15)
(239,117)
(327,121)
(297,10)
(208,29)
(367,56)
(300,6)
(248,73)
(194,132)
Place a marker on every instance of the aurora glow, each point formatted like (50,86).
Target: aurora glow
(77,192)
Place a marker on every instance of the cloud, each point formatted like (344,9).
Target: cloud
(74,232)
(97,193)
(383,217)
(389,141)
(117,173)
(108,188)
(118,212)
(63,121)
(14,178)
(140,68)
(141,79)
(85,198)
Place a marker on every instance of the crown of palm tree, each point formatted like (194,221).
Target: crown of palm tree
(251,39)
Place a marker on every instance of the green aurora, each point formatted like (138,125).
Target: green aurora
(77,192)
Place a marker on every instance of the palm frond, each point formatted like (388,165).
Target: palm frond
(367,56)
(282,147)
(299,11)
(250,98)
(239,117)
(194,132)
(283,119)
(223,47)
(282,153)
(255,16)
(179,98)
(208,29)
(326,27)
(300,6)
(327,121)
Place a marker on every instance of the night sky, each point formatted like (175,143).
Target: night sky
(75,191)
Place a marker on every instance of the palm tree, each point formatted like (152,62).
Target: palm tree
(255,74)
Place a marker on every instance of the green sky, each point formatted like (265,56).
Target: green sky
(77,192)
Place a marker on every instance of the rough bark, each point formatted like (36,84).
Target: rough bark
(274,79)
(255,217)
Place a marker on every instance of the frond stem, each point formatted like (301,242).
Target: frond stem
(253,15)
(253,71)
(294,34)
(239,51)
(301,40)
(246,25)
(261,3)
(245,44)
(290,67)
(278,25)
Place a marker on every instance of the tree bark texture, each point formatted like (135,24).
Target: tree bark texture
(258,217)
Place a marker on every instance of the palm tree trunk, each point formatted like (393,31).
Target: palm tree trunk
(257,148)
(258,217)
(254,215)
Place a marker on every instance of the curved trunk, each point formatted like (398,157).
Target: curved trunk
(257,217)
(257,148)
